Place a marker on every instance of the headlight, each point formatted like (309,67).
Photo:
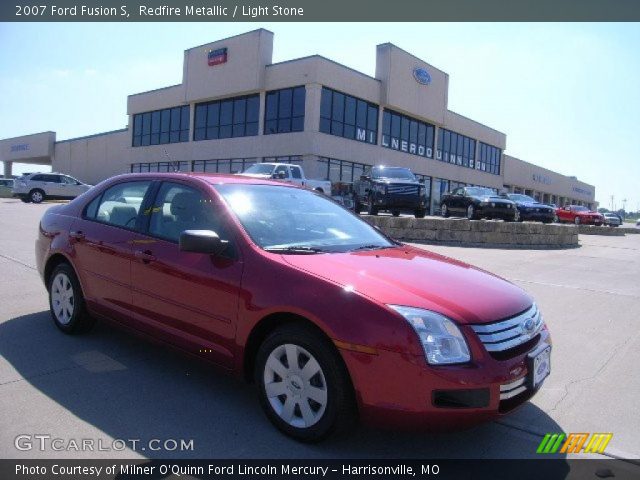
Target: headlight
(441,339)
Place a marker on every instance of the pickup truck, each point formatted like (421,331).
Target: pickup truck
(390,188)
(288,172)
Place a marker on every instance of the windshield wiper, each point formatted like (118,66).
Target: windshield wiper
(295,249)
(371,247)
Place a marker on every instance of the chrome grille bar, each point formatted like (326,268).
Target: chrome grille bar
(509,333)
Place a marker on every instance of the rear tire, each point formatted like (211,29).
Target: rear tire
(444,210)
(36,195)
(310,395)
(66,301)
(471,212)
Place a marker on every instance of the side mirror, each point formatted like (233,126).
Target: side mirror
(201,241)
(279,175)
(421,180)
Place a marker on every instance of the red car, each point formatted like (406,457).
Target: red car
(333,320)
(579,215)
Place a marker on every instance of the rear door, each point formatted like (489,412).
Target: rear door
(188,299)
(102,246)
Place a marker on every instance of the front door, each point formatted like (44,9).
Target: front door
(189,299)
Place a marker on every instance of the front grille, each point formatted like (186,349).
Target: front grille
(402,189)
(510,333)
(509,390)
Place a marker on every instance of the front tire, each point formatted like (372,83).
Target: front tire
(304,388)
(372,209)
(576,220)
(471,212)
(395,213)
(66,301)
(420,213)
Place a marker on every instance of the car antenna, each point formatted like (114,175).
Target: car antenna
(174,165)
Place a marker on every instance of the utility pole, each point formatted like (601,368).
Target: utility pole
(612,209)
(624,207)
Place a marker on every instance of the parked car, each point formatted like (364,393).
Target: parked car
(612,219)
(579,215)
(37,187)
(6,185)
(290,173)
(394,189)
(357,325)
(478,202)
(530,209)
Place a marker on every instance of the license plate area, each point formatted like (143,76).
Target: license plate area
(539,366)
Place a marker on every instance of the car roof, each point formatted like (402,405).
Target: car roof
(211,178)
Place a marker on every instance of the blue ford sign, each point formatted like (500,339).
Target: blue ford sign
(421,75)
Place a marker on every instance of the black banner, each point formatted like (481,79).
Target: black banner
(317,11)
(543,468)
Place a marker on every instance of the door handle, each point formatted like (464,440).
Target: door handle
(77,235)
(145,255)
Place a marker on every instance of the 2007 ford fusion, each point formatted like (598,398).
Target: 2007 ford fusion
(280,285)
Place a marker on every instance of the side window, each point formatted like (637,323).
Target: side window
(119,205)
(68,180)
(38,178)
(458,191)
(178,208)
(282,168)
(295,172)
(53,178)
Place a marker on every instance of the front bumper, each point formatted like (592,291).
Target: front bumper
(496,212)
(403,391)
(537,216)
(399,201)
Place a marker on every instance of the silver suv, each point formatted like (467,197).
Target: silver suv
(36,187)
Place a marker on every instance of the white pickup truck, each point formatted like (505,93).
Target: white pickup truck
(289,173)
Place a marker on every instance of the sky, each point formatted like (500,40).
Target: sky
(567,95)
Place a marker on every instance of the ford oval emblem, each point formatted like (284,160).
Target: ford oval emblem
(529,325)
(422,76)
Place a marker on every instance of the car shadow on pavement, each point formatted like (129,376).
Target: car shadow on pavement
(125,387)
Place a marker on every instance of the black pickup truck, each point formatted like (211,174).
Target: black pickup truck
(394,189)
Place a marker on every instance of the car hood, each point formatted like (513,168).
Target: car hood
(495,199)
(532,204)
(418,278)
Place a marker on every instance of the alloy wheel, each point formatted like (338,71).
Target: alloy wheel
(36,197)
(295,385)
(443,210)
(62,298)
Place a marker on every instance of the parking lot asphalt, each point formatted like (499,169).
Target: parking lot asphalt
(109,385)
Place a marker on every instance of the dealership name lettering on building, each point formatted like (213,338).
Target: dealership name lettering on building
(404,146)
(22,147)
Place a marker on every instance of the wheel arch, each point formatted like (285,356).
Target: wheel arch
(52,262)
(263,328)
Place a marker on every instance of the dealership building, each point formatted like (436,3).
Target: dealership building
(235,107)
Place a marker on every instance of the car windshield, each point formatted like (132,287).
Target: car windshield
(516,197)
(392,172)
(579,208)
(292,220)
(480,192)
(260,168)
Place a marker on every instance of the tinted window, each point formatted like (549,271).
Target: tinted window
(170,125)
(348,117)
(400,132)
(119,205)
(235,117)
(296,172)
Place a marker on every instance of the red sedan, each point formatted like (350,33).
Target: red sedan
(280,285)
(579,215)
